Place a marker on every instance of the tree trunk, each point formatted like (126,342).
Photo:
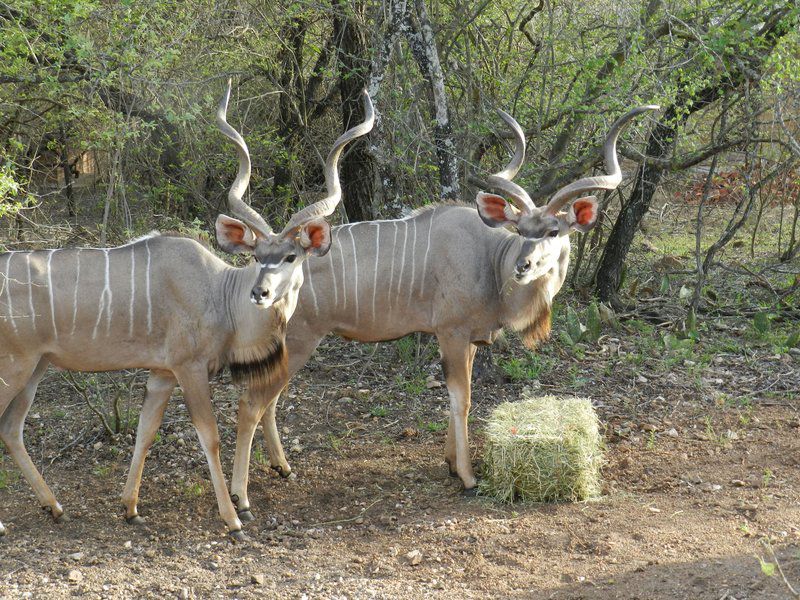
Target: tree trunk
(648,176)
(66,169)
(353,65)
(423,47)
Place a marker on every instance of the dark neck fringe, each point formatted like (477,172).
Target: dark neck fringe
(538,329)
(264,370)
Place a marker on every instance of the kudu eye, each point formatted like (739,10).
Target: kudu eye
(290,258)
(552,233)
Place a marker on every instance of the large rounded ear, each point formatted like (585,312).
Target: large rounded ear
(315,237)
(583,214)
(496,211)
(234,236)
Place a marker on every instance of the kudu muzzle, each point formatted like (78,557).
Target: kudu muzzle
(263,293)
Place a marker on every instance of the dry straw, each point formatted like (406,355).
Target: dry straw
(542,449)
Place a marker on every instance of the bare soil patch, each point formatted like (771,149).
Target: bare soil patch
(702,464)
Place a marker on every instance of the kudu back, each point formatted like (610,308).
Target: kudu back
(448,270)
(166,304)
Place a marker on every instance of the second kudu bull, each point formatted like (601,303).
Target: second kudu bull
(443,271)
(166,304)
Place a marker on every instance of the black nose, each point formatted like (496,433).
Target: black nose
(259,294)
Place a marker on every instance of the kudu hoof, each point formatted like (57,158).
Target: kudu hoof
(135,520)
(281,471)
(238,536)
(245,516)
(61,519)
(470,492)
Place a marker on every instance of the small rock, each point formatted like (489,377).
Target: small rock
(76,556)
(649,427)
(673,433)
(128,545)
(258,579)
(181,442)
(433,384)
(184,593)
(97,445)
(738,483)
(150,553)
(410,432)
(414,558)
(641,379)
(74,576)
(710,487)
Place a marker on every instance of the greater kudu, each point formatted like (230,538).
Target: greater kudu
(443,271)
(167,304)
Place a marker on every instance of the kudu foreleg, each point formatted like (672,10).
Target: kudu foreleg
(252,407)
(457,356)
(159,389)
(198,400)
(299,348)
(12,424)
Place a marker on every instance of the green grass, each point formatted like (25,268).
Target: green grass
(526,367)
(379,411)
(433,426)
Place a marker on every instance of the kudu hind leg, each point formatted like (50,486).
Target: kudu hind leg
(12,424)
(457,357)
(159,389)
(198,400)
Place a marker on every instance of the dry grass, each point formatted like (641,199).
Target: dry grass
(542,449)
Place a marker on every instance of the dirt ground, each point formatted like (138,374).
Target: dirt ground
(702,467)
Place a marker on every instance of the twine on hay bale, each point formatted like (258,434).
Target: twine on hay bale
(542,449)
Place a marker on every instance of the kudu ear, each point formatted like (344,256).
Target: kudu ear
(234,236)
(496,211)
(583,213)
(315,237)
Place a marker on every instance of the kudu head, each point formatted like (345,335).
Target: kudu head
(541,226)
(306,233)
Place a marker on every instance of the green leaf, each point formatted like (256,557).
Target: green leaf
(593,323)
(664,285)
(767,568)
(761,322)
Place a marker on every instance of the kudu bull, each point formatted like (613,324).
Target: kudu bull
(166,304)
(443,271)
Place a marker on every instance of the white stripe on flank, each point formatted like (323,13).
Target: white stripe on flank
(105,298)
(375,278)
(344,272)
(311,285)
(413,260)
(133,289)
(147,290)
(30,293)
(391,272)
(355,266)
(75,297)
(333,276)
(50,292)
(403,261)
(7,284)
(427,250)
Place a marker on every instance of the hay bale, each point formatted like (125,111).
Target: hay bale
(542,449)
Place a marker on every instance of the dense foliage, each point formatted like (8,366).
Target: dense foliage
(129,89)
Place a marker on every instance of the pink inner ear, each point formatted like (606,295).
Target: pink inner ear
(316,233)
(494,207)
(234,232)
(584,212)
